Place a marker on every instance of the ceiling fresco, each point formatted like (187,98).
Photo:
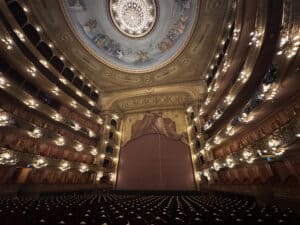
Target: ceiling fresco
(133,35)
(173,46)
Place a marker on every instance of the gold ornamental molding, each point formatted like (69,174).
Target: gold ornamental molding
(153,102)
(193,92)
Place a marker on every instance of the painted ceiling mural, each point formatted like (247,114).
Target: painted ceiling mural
(133,35)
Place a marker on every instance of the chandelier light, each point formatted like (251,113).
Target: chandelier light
(134,18)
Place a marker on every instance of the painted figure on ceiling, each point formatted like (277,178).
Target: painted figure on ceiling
(89,26)
(110,46)
(142,56)
(77,5)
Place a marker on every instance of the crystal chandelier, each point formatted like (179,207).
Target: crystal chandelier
(134,18)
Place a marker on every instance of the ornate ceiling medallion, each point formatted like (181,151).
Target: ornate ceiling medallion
(134,18)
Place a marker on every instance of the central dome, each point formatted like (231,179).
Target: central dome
(134,36)
(134,18)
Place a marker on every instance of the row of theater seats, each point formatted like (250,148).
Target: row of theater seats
(140,208)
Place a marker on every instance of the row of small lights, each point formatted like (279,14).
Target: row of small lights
(62,58)
(256,40)
(242,79)
(32,70)
(213,86)
(274,149)
(37,133)
(235,37)
(55,90)
(288,47)
(41,162)
(267,91)
(32,103)
(9,158)
(113,175)
(190,110)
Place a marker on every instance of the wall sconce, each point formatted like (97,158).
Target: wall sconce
(207,174)
(76,126)
(60,141)
(273,143)
(201,112)
(55,91)
(63,80)
(92,103)
(79,147)
(217,140)
(88,114)
(229,99)
(115,116)
(64,165)
(73,104)
(230,162)
(7,157)
(8,42)
(99,175)
(115,159)
(113,177)
(198,176)
(3,83)
(100,120)
(255,38)
(189,109)
(31,103)
(4,119)
(44,63)
(79,93)
(91,133)
(56,117)
(32,71)
(230,131)
(94,151)
(289,46)
(217,166)
(207,146)
(20,35)
(36,133)
(39,162)
(243,77)
(249,155)
(83,168)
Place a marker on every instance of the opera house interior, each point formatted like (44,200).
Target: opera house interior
(133,112)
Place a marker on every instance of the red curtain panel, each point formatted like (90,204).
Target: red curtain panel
(155,162)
